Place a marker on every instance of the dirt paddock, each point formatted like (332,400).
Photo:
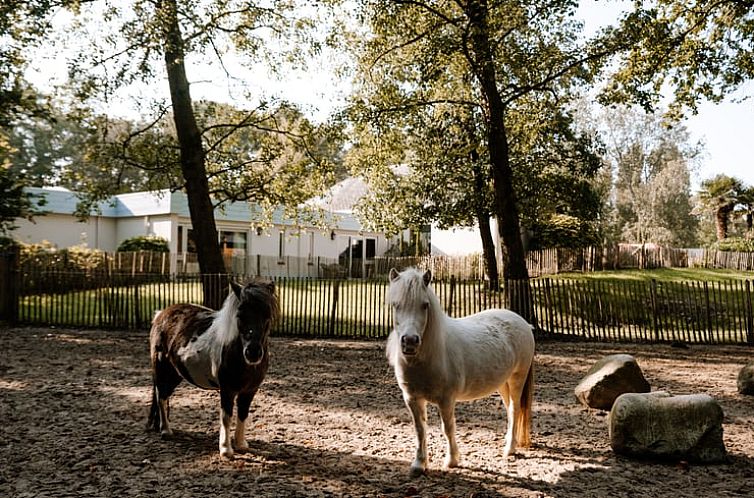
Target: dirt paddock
(329,421)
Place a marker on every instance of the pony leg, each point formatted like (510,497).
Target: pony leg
(505,395)
(226,414)
(448,416)
(164,381)
(515,386)
(162,394)
(418,408)
(510,435)
(242,403)
(165,431)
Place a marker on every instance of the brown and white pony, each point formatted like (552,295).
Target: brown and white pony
(225,350)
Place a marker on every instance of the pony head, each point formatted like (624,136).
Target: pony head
(256,312)
(411,300)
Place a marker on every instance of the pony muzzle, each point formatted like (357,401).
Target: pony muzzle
(410,344)
(253,354)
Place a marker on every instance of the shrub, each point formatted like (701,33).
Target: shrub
(734,244)
(144,243)
(562,230)
(8,243)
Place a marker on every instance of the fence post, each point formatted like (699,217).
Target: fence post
(653,300)
(452,292)
(708,312)
(137,306)
(9,292)
(749,318)
(333,310)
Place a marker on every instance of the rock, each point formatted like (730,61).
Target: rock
(746,379)
(658,425)
(609,378)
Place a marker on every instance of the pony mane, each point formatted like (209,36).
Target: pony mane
(259,292)
(412,288)
(263,292)
(225,325)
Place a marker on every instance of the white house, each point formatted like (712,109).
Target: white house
(284,248)
(457,241)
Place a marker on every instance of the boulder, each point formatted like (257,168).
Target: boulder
(746,379)
(609,378)
(661,426)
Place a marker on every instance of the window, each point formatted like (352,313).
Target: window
(190,243)
(281,245)
(233,243)
(371,248)
(311,247)
(180,239)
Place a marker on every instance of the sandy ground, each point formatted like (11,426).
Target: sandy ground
(329,421)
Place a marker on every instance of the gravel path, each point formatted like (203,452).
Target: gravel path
(329,421)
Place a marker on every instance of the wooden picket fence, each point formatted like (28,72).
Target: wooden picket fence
(633,311)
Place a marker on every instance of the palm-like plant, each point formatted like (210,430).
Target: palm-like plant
(719,197)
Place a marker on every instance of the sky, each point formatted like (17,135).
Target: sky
(725,128)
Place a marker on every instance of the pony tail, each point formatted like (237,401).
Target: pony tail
(153,421)
(524,416)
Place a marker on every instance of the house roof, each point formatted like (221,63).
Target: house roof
(342,196)
(165,202)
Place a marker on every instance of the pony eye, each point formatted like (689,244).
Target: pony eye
(425,306)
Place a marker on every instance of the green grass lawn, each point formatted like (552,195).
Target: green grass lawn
(661,275)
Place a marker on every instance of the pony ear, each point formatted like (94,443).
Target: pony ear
(427,277)
(393,274)
(271,286)
(236,288)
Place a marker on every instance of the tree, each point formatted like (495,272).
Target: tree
(22,26)
(719,196)
(651,162)
(698,50)
(443,176)
(507,51)
(144,34)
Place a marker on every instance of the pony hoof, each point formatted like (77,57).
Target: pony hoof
(166,435)
(226,452)
(451,463)
(415,472)
(242,447)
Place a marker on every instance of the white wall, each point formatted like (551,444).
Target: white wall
(106,234)
(459,241)
(64,230)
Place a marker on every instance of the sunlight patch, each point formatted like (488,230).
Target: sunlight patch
(13,385)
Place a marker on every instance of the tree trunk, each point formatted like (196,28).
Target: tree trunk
(192,160)
(506,209)
(483,220)
(721,219)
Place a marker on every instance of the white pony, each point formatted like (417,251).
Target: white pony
(442,360)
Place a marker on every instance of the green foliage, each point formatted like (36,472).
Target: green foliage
(562,230)
(8,244)
(734,244)
(15,202)
(74,258)
(697,49)
(420,104)
(144,243)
